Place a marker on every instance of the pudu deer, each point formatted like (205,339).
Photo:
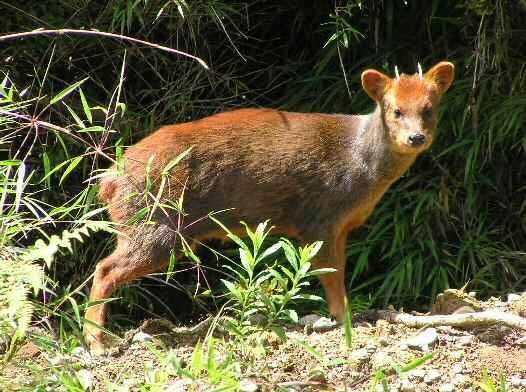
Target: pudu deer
(316,176)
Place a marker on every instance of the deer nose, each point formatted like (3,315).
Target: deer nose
(417,139)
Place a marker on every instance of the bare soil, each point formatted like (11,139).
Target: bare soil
(309,361)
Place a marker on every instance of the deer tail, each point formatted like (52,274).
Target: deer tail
(107,188)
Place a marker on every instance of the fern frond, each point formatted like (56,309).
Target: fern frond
(46,251)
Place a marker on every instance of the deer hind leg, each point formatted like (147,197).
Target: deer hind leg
(130,261)
(334,282)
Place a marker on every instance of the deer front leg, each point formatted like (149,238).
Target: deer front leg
(334,282)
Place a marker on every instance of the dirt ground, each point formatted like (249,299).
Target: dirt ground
(312,360)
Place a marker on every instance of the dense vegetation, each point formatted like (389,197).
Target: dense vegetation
(458,216)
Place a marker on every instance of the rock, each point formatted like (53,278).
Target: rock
(417,375)
(513,297)
(457,355)
(446,388)
(384,328)
(424,341)
(58,360)
(383,341)
(370,348)
(141,337)
(86,379)
(517,381)
(317,375)
(258,319)
(381,359)
(464,341)
(359,356)
(457,368)
(82,354)
(28,350)
(308,319)
(248,386)
(521,341)
(407,386)
(432,376)
(324,324)
(179,385)
(459,379)
(396,387)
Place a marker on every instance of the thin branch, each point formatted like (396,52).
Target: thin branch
(31,122)
(103,34)
(466,320)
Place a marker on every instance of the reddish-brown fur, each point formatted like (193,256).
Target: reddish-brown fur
(316,176)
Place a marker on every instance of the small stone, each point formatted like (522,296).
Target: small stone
(308,319)
(521,341)
(141,337)
(383,341)
(179,385)
(82,354)
(247,386)
(424,340)
(459,379)
(407,386)
(360,355)
(418,375)
(86,378)
(457,368)
(446,388)
(58,360)
(432,376)
(464,341)
(381,359)
(258,319)
(457,355)
(513,297)
(395,387)
(370,348)
(324,324)
(516,381)
(317,375)
(383,328)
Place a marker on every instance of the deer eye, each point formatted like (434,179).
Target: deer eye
(398,113)
(428,113)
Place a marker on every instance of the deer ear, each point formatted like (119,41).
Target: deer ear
(442,74)
(375,83)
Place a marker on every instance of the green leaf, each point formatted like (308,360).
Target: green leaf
(75,116)
(95,128)
(75,307)
(348,324)
(417,362)
(292,315)
(68,90)
(270,250)
(72,165)
(175,161)
(85,106)
(47,168)
(321,271)
(239,242)
(197,363)
(232,288)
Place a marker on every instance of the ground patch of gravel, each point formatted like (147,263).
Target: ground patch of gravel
(316,360)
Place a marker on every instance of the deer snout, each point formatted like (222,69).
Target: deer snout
(417,139)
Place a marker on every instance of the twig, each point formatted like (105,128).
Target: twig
(488,317)
(103,34)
